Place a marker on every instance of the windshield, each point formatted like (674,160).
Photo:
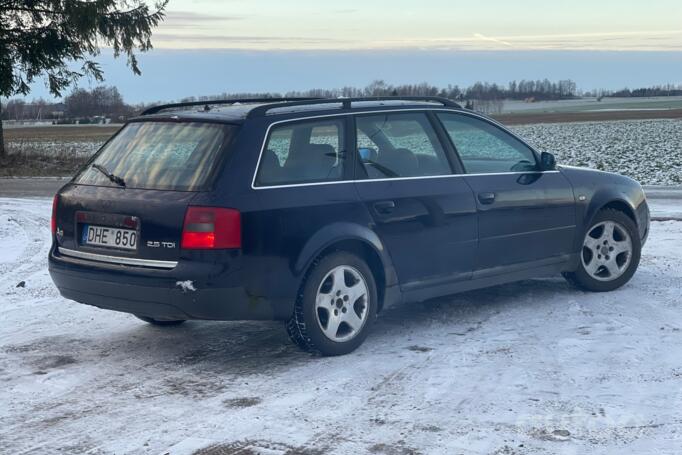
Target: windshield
(159,156)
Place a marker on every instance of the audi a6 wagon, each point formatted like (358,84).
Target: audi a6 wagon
(321,212)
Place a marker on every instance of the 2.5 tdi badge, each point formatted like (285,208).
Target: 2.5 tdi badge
(155,244)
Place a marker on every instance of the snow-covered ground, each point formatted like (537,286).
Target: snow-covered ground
(529,368)
(591,104)
(649,151)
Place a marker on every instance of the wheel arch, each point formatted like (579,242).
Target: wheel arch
(356,239)
(621,206)
(605,200)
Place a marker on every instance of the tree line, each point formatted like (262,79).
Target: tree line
(81,105)
(657,90)
(87,106)
(540,90)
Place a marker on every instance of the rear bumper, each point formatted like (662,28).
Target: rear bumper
(164,294)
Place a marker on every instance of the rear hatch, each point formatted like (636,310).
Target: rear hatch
(128,204)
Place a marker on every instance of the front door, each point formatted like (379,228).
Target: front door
(425,216)
(526,216)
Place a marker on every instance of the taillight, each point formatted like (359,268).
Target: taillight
(208,228)
(53,223)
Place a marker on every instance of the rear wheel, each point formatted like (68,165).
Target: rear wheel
(336,306)
(610,253)
(159,322)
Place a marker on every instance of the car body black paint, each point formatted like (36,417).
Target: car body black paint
(432,236)
(595,189)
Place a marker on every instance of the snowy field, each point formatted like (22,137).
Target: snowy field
(591,104)
(649,151)
(75,141)
(530,368)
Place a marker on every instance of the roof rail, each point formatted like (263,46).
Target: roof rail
(208,103)
(347,103)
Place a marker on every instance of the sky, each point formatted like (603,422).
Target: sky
(432,24)
(212,46)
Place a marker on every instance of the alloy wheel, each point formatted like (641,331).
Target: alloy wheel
(607,251)
(341,304)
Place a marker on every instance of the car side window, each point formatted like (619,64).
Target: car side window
(484,148)
(302,152)
(399,145)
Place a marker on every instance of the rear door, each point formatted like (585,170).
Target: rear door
(130,201)
(526,216)
(303,184)
(424,214)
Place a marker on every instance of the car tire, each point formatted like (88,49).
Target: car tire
(158,322)
(610,253)
(336,305)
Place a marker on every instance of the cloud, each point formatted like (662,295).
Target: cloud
(234,41)
(630,40)
(493,40)
(185,19)
(213,37)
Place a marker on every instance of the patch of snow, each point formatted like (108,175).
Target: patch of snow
(186,286)
(187,446)
(12,238)
(665,208)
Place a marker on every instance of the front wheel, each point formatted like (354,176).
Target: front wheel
(610,253)
(336,305)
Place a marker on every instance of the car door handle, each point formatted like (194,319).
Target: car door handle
(486,198)
(384,207)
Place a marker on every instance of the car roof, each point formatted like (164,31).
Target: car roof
(236,111)
(231,113)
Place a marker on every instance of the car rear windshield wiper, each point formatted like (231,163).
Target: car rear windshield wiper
(113,178)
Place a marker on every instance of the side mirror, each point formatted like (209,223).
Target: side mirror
(547,161)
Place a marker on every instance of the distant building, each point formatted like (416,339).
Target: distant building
(58,110)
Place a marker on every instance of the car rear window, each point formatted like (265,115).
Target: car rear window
(160,156)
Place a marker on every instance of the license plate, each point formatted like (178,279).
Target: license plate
(110,237)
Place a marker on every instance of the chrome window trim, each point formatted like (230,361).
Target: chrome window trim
(395,179)
(117,259)
(415,109)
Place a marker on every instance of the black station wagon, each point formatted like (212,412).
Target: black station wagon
(321,212)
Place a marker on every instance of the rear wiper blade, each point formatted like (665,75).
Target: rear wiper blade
(113,178)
